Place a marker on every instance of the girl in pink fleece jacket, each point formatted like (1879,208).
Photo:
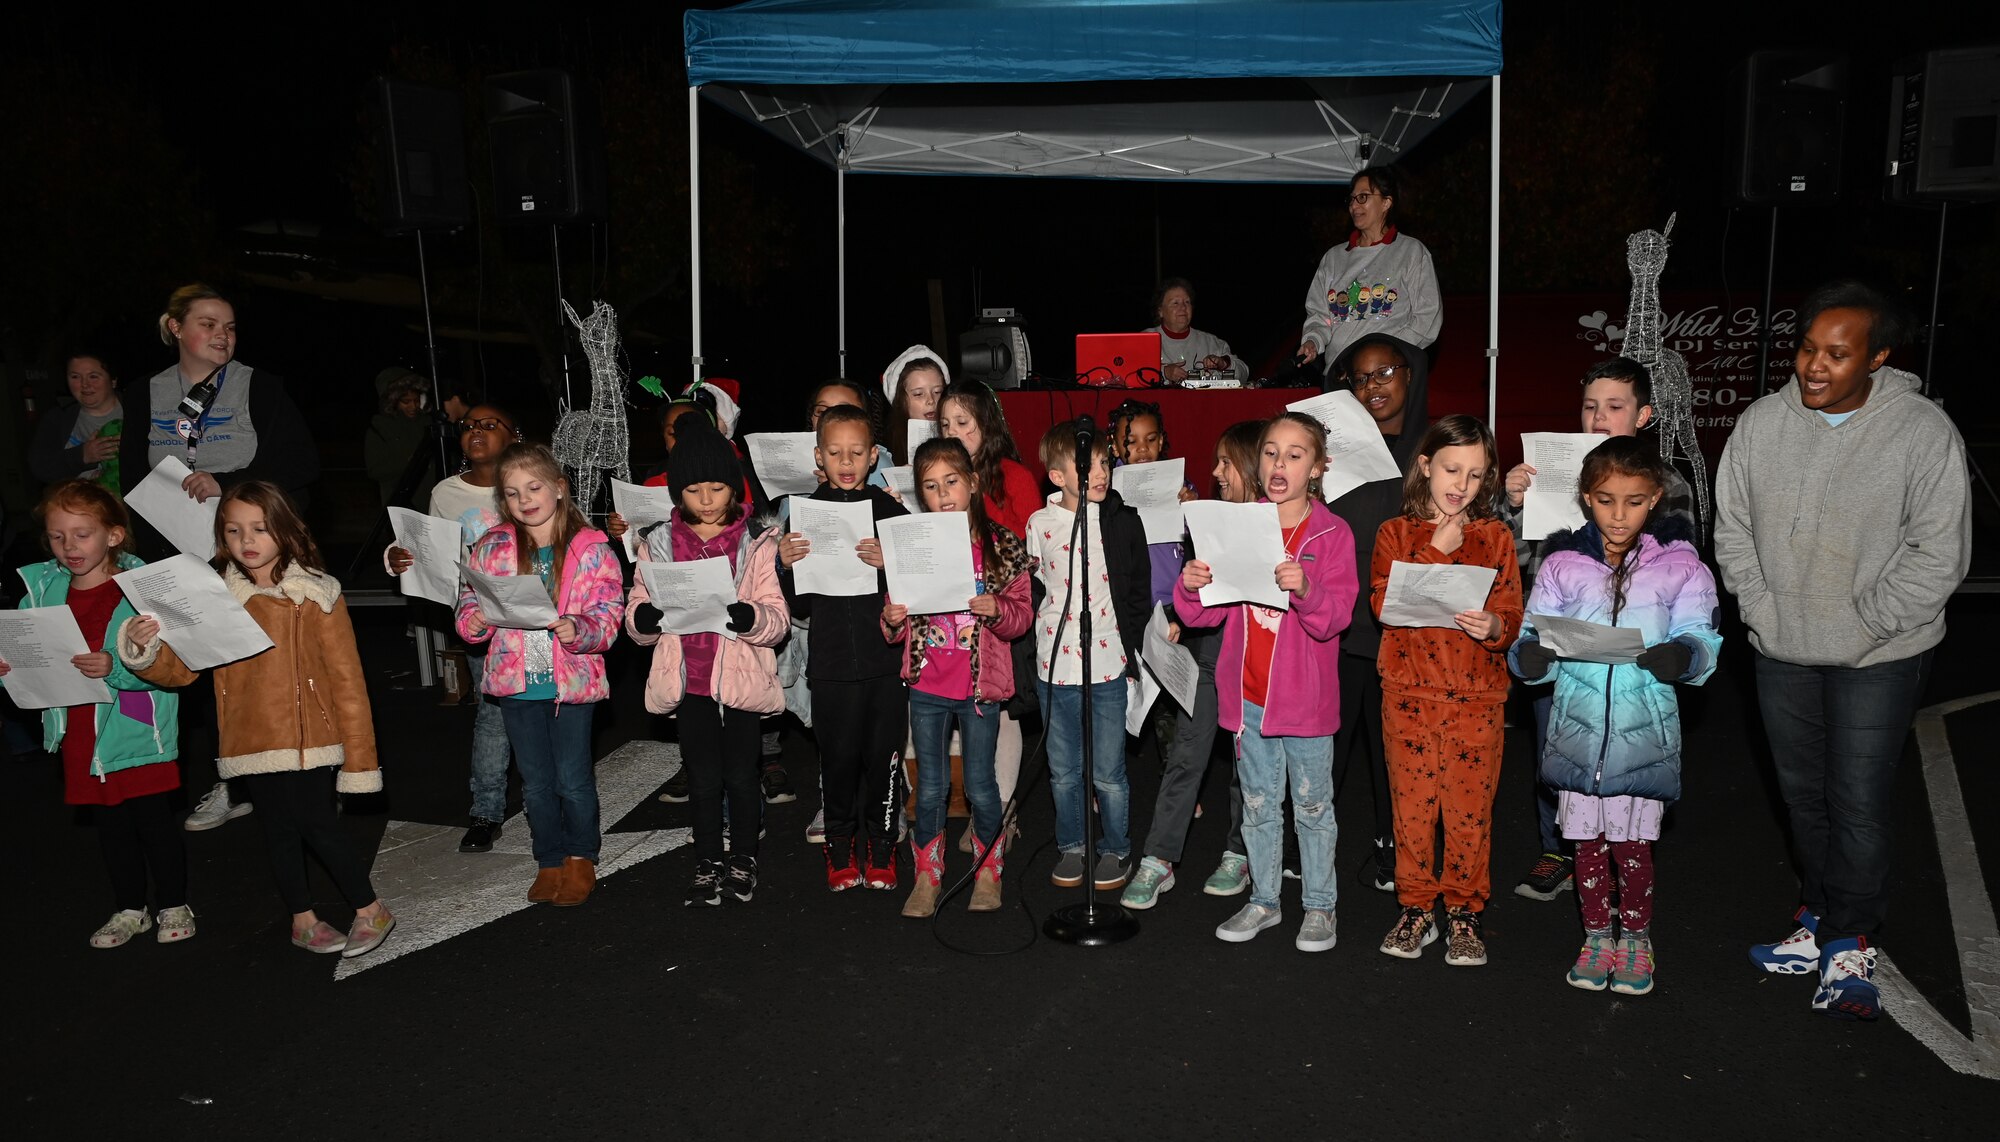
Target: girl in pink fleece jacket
(717,686)
(536,676)
(1277,684)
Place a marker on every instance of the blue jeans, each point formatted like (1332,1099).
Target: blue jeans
(1063,707)
(1266,766)
(978,732)
(489,747)
(558,777)
(1836,734)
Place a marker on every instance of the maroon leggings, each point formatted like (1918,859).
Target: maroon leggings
(1635,884)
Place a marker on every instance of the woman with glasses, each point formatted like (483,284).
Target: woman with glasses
(1380,281)
(1390,378)
(1184,350)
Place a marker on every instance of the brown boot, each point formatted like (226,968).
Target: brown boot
(547,881)
(986,882)
(579,876)
(930,874)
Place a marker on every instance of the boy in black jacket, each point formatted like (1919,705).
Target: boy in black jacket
(860,710)
(1119,600)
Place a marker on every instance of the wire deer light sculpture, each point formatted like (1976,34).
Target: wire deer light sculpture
(1673,390)
(593,443)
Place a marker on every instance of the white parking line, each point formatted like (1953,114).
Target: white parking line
(1972,922)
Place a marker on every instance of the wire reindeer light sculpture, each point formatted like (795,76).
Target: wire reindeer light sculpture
(593,443)
(1673,389)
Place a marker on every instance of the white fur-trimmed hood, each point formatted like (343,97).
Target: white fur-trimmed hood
(300,585)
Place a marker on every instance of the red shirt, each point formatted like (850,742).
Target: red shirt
(92,607)
(1260,632)
(1024,498)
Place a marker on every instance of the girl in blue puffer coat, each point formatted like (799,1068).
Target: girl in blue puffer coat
(1614,747)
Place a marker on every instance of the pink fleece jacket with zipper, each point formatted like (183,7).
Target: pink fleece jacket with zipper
(1304,675)
(743,674)
(592,593)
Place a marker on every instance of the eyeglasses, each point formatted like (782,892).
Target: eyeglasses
(489,424)
(1364,198)
(1380,378)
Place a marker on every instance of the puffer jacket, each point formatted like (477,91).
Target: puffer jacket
(592,593)
(1616,730)
(1009,580)
(141,724)
(303,703)
(745,671)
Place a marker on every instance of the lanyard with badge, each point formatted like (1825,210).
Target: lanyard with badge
(194,410)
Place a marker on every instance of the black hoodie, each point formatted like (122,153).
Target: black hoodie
(846,644)
(1368,507)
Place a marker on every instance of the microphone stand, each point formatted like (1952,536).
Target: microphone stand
(1088,924)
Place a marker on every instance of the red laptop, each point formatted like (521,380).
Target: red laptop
(1118,360)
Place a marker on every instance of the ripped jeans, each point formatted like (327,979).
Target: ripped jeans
(1263,766)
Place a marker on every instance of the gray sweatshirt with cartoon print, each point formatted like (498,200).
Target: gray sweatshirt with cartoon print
(1843,542)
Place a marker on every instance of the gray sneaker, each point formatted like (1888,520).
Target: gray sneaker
(1230,877)
(1317,933)
(1153,877)
(1248,921)
(213,809)
(1068,872)
(1112,872)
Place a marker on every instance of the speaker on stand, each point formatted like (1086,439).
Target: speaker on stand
(1788,146)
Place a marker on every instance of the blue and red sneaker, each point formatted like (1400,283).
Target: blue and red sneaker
(1847,980)
(1796,954)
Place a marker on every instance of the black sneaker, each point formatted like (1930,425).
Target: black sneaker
(707,887)
(741,879)
(1546,880)
(777,786)
(1382,875)
(480,837)
(675,791)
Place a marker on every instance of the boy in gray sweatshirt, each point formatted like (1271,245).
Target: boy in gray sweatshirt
(1843,524)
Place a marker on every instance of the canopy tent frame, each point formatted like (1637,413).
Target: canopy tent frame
(844,140)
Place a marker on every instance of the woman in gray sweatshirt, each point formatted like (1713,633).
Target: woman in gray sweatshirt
(1843,525)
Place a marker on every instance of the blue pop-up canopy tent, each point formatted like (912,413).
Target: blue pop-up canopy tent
(1205,90)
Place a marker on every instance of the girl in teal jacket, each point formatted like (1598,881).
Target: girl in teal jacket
(117,756)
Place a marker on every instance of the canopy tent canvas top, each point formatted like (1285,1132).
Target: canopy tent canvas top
(1205,90)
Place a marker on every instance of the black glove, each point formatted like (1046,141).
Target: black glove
(1667,661)
(646,618)
(1535,659)
(741,617)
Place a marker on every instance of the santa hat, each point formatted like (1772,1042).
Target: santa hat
(893,375)
(726,393)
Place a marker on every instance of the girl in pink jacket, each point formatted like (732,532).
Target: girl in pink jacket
(1277,684)
(718,686)
(539,676)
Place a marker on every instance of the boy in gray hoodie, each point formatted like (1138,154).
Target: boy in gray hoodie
(1843,524)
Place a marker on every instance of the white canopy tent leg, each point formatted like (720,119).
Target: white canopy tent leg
(694,224)
(1493,275)
(840,285)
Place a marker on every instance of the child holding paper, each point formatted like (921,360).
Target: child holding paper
(718,687)
(1272,678)
(117,756)
(469,498)
(1443,689)
(1117,600)
(1614,743)
(534,674)
(1142,437)
(1617,401)
(291,718)
(1193,744)
(913,383)
(862,712)
(959,670)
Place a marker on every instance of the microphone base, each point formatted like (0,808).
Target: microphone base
(1091,925)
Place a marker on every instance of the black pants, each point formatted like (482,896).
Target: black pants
(719,747)
(1360,735)
(198,742)
(297,810)
(861,728)
(138,836)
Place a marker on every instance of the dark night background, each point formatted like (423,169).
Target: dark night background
(238,154)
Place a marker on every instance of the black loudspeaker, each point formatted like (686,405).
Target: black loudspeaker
(548,150)
(1944,126)
(1794,114)
(420,153)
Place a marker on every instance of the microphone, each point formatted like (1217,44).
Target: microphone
(1086,444)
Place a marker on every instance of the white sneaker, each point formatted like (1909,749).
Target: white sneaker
(816,832)
(1317,933)
(121,927)
(1248,921)
(213,809)
(176,924)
